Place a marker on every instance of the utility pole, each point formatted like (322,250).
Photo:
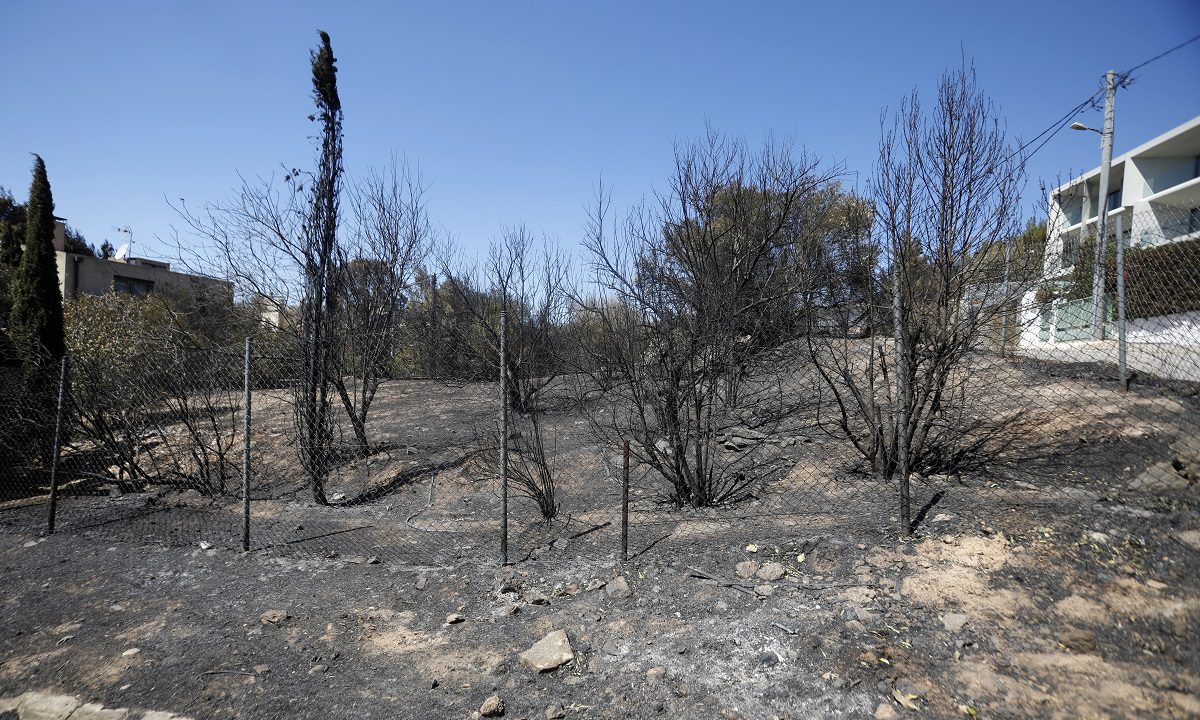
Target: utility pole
(1106,145)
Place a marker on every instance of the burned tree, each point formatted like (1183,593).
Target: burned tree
(695,307)
(281,248)
(528,284)
(946,192)
(390,237)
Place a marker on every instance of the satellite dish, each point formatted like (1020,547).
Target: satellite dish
(122,252)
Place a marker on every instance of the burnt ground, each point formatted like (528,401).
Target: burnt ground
(1071,606)
(1053,589)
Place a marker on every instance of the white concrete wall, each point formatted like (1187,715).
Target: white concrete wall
(1178,329)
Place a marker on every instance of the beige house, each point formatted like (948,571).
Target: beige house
(86,275)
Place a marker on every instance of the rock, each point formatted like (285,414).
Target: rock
(1156,585)
(594,584)
(262,669)
(764,590)
(1191,538)
(885,711)
(746,569)
(1159,477)
(1078,640)
(422,582)
(1187,458)
(656,674)
(31,543)
(273,617)
(1098,538)
(453,619)
(552,651)
(953,622)
(864,615)
(746,434)
(771,572)
(555,711)
(560,544)
(618,588)
(492,707)
(131,652)
(535,597)
(317,669)
(96,711)
(42,706)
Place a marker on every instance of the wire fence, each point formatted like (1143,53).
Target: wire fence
(1063,390)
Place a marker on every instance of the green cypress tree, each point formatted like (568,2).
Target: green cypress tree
(36,319)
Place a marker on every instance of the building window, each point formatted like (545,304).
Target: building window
(1114,200)
(136,287)
(1070,248)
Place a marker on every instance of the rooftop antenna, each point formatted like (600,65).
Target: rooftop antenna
(128,231)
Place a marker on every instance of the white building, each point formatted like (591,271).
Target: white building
(1153,199)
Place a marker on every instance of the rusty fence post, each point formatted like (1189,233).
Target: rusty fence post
(625,505)
(58,421)
(503,437)
(248,370)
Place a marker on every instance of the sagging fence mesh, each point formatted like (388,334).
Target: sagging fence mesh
(1014,394)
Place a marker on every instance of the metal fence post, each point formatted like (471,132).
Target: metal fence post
(625,505)
(900,414)
(504,437)
(247,369)
(1122,368)
(1005,300)
(58,421)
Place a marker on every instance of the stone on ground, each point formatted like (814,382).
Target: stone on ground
(552,651)
(953,622)
(492,707)
(885,712)
(555,711)
(42,706)
(771,572)
(618,587)
(1159,477)
(746,569)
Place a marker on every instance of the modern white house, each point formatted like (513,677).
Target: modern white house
(1153,200)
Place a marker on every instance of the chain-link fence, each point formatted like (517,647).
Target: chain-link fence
(230,445)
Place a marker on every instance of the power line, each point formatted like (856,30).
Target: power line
(1124,81)
(1161,55)
(1055,127)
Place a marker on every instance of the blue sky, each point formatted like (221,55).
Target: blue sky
(513,111)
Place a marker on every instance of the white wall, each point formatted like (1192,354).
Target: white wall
(1178,329)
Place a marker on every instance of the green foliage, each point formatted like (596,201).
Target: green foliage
(109,329)
(324,72)
(1082,278)
(1158,279)
(36,321)
(1162,280)
(12,229)
(74,242)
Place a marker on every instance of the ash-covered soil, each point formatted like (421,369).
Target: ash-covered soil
(1071,606)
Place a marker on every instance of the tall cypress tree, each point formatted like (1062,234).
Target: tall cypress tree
(36,320)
